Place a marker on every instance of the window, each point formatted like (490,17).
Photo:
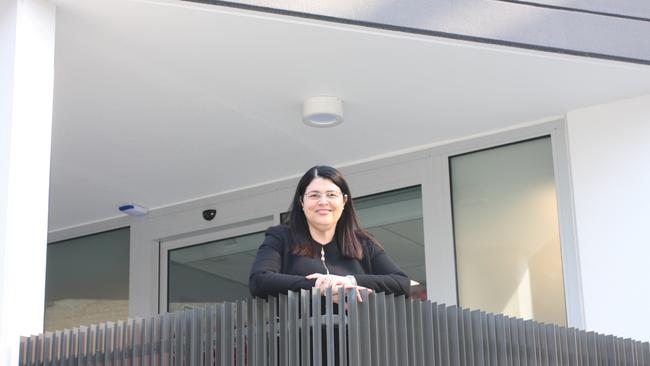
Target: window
(395,219)
(87,280)
(211,272)
(506,232)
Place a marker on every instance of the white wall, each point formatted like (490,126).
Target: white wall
(27,72)
(7,45)
(609,149)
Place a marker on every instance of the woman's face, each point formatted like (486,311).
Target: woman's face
(323,204)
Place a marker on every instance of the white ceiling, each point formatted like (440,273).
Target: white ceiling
(157,102)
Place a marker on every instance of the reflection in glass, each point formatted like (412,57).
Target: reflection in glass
(395,219)
(87,280)
(506,231)
(211,272)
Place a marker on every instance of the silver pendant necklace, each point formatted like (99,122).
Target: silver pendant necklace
(322,258)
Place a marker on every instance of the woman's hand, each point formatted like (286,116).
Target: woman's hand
(324,281)
(335,282)
(358,289)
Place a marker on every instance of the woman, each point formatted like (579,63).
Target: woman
(323,245)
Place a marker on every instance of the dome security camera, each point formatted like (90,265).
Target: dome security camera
(209,214)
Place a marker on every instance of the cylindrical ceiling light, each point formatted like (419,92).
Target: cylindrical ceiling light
(322,111)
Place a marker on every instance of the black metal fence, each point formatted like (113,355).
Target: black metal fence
(305,329)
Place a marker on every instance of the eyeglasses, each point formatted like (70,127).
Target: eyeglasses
(329,195)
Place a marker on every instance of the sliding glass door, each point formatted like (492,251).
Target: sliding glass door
(195,271)
(506,232)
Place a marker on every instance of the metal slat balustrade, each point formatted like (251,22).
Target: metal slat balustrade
(305,329)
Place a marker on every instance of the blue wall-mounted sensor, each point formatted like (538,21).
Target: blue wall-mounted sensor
(132,209)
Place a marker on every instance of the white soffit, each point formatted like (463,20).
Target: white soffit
(158,102)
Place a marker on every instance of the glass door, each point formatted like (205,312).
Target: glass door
(395,219)
(506,231)
(209,268)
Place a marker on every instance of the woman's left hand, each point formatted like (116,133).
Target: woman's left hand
(324,281)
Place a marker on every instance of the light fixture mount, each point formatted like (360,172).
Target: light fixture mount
(322,111)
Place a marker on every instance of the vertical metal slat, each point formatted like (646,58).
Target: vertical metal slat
(500,334)
(467,343)
(444,335)
(82,341)
(250,334)
(364,329)
(477,338)
(437,359)
(293,346)
(374,328)
(241,343)
(400,323)
(316,333)
(391,327)
(271,317)
(284,324)
(418,333)
(410,349)
(353,327)
(260,332)
(553,345)
(454,340)
(208,334)
(226,334)
(166,339)
(514,339)
(156,341)
(343,341)
(531,343)
(329,327)
(304,326)
(263,310)
(427,333)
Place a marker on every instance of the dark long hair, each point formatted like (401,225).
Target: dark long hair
(348,234)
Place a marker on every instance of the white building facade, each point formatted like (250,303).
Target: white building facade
(599,146)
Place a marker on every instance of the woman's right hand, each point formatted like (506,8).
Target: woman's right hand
(358,289)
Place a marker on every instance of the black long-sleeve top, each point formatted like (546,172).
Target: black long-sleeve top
(277,270)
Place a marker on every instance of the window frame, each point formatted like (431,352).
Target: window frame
(556,129)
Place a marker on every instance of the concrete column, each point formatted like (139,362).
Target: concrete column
(26,87)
